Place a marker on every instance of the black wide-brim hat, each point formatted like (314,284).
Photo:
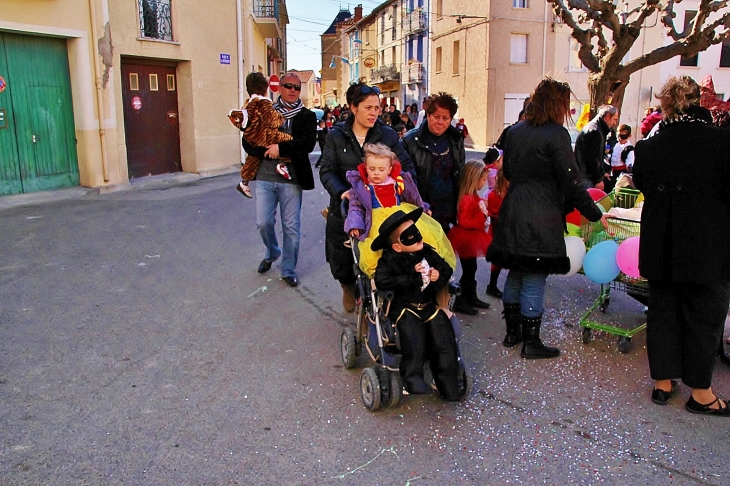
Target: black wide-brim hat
(390,224)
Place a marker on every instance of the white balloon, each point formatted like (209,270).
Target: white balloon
(576,250)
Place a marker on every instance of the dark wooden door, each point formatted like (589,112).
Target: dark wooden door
(151,123)
(37,132)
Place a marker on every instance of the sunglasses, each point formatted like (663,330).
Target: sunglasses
(365,89)
(295,87)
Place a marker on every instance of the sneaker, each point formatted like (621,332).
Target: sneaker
(283,171)
(244,189)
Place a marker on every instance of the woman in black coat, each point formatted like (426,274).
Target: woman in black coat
(342,153)
(544,185)
(684,252)
(437,150)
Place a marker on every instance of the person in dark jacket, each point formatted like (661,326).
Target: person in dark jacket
(590,147)
(272,190)
(437,150)
(544,186)
(684,251)
(342,153)
(415,273)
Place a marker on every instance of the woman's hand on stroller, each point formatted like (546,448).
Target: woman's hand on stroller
(604,221)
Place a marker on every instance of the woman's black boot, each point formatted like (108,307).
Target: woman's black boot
(492,287)
(532,346)
(513,321)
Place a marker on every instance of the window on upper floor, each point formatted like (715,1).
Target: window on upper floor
(691,61)
(575,65)
(155,19)
(438,59)
(725,53)
(518,49)
(394,25)
(382,29)
(439,9)
(457,47)
(519,3)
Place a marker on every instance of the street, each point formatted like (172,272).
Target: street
(139,346)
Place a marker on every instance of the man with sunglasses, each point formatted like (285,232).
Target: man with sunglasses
(272,190)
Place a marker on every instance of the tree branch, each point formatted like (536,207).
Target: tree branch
(668,20)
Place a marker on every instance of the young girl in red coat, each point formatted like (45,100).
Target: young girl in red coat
(469,237)
(494,202)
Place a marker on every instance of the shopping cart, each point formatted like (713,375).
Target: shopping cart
(619,229)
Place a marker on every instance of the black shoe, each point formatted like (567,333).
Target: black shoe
(461,306)
(494,292)
(264,266)
(693,406)
(291,281)
(474,301)
(661,397)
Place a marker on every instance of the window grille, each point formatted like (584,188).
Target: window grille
(155,19)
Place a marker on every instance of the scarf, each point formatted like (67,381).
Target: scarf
(288,110)
(693,114)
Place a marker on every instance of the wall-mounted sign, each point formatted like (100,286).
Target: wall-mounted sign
(137,103)
(3,119)
(225,58)
(3,84)
(369,62)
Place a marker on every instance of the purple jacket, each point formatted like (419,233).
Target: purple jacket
(359,214)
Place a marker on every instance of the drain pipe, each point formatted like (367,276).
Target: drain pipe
(99,92)
(239,38)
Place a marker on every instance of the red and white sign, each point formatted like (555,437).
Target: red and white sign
(137,103)
(316,101)
(274,83)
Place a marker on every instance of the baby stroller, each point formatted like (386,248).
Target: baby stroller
(380,383)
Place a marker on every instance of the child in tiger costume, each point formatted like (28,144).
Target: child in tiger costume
(260,123)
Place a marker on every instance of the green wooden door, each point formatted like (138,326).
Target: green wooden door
(40,115)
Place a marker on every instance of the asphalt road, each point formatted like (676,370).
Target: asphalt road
(138,345)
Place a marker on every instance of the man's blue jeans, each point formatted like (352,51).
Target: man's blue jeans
(526,289)
(288,197)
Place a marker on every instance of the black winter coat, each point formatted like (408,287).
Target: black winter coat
(396,272)
(544,185)
(421,155)
(590,150)
(343,153)
(684,173)
(304,135)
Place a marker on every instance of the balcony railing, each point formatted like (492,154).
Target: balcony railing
(415,22)
(388,72)
(155,19)
(266,15)
(266,9)
(413,72)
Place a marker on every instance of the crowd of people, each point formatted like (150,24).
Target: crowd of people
(417,205)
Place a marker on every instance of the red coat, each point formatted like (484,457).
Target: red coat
(469,237)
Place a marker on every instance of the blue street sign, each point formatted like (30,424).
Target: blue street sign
(225,58)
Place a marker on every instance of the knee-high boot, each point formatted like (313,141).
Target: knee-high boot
(513,322)
(470,290)
(532,346)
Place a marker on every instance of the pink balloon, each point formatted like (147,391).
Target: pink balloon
(596,194)
(627,257)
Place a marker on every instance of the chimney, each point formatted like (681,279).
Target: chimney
(358,13)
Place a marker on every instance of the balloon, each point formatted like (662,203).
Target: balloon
(573,230)
(599,263)
(573,217)
(627,257)
(596,194)
(576,250)
(605,204)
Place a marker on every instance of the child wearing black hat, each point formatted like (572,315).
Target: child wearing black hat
(415,273)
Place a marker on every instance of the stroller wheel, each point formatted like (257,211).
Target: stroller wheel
(348,348)
(370,389)
(396,390)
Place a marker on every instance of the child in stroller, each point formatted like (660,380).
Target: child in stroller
(403,318)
